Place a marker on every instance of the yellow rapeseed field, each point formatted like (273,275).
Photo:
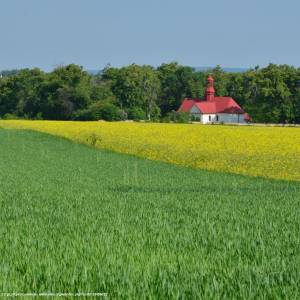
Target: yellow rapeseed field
(272,152)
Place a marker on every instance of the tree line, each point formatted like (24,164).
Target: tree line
(134,92)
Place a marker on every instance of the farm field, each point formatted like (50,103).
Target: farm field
(252,151)
(78,219)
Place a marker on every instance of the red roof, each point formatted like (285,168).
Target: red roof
(187,104)
(246,117)
(219,105)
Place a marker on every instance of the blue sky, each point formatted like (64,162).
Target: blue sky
(93,33)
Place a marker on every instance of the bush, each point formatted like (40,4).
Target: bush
(102,110)
(155,114)
(177,117)
(195,119)
(9,116)
(110,112)
(39,116)
(136,114)
(84,115)
(107,111)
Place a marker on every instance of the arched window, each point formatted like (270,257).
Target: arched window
(217,118)
(209,118)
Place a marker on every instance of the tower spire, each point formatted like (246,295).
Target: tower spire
(210,90)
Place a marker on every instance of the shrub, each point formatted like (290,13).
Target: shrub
(84,115)
(107,111)
(177,117)
(136,114)
(110,112)
(9,116)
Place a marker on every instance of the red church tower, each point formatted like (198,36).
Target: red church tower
(210,90)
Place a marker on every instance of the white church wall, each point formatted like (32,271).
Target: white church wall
(220,118)
(208,118)
(231,118)
(216,118)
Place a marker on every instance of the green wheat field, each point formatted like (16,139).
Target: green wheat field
(77,219)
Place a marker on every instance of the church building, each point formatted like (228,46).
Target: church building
(214,109)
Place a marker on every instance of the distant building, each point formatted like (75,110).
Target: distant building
(214,109)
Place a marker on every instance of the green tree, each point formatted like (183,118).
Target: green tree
(176,84)
(135,87)
(221,81)
(67,90)
(20,94)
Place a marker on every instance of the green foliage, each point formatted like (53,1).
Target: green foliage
(110,112)
(76,219)
(84,115)
(136,113)
(100,111)
(136,88)
(9,116)
(221,81)
(20,94)
(177,117)
(176,84)
(270,94)
(67,90)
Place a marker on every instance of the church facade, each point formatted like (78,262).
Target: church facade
(214,109)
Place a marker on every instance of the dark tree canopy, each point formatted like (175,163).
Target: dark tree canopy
(270,94)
